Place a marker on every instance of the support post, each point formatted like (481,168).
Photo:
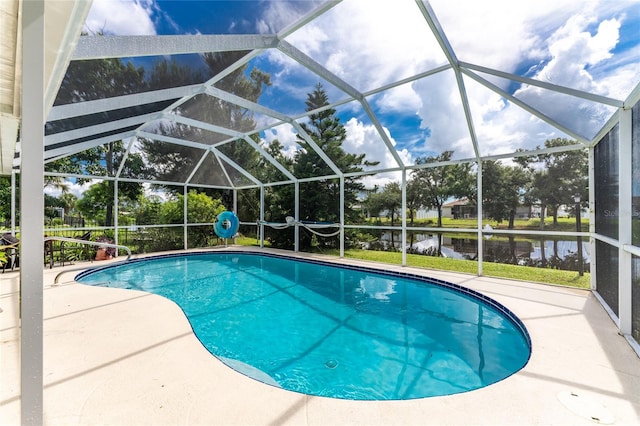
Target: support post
(579,238)
(592,217)
(235,201)
(480,214)
(342,216)
(13,202)
(624,222)
(185,212)
(116,213)
(261,226)
(235,210)
(403,210)
(32,213)
(296,214)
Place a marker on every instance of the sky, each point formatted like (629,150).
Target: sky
(592,46)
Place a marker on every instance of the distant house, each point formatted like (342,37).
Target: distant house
(460,209)
(447,210)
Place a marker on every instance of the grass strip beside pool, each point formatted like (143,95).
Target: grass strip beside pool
(490,269)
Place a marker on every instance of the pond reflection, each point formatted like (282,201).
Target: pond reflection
(521,250)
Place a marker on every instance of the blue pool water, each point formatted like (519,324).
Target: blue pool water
(339,332)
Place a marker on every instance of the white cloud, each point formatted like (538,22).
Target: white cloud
(402,99)
(360,138)
(442,115)
(277,15)
(619,82)
(568,56)
(121,17)
(363,138)
(573,50)
(368,44)
(499,33)
(286,135)
(379,180)
(294,81)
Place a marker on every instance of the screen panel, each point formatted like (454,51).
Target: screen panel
(606,184)
(607,274)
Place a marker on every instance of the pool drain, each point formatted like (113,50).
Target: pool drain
(331,363)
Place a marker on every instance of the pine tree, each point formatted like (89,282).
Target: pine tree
(320,199)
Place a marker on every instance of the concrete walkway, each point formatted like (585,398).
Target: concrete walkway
(124,357)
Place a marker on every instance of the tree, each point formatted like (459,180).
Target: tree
(502,190)
(388,200)
(207,109)
(563,176)
(97,79)
(5,198)
(201,208)
(105,160)
(169,73)
(94,202)
(51,206)
(279,199)
(415,201)
(440,183)
(69,201)
(147,210)
(320,199)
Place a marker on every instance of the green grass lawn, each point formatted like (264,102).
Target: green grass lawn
(490,269)
(500,270)
(249,241)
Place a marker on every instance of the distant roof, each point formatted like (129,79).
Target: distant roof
(460,202)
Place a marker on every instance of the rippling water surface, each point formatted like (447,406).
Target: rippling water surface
(325,330)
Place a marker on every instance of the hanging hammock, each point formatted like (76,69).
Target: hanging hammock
(290,221)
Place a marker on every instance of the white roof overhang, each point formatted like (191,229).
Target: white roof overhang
(63,24)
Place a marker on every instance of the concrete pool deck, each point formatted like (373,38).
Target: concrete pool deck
(124,357)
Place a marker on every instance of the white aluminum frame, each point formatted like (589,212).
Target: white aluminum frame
(38,97)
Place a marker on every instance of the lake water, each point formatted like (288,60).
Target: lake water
(525,249)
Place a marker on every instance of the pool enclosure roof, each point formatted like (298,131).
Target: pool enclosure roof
(407,79)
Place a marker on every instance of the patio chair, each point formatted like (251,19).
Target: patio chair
(10,246)
(85,249)
(48,253)
(70,252)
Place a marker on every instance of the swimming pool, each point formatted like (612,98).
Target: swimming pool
(337,331)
